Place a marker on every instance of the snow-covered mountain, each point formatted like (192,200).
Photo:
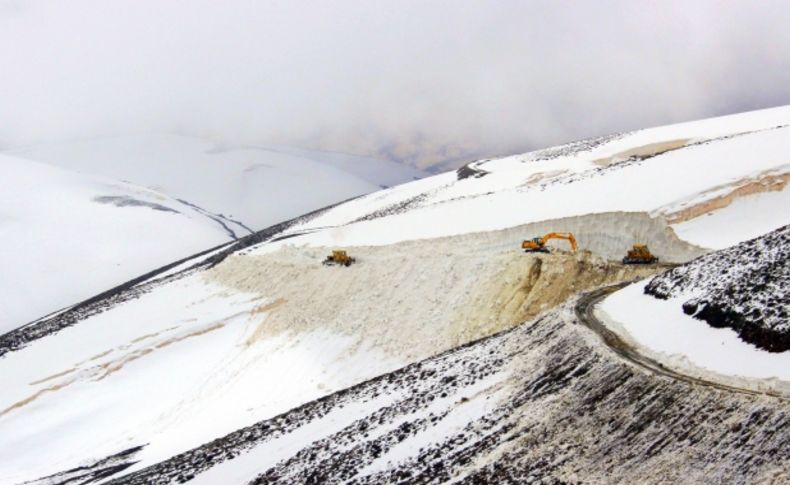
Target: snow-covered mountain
(258,186)
(256,362)
(68,236)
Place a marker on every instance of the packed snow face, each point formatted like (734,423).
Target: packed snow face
(67,236)
(681,173)
(417,298)
(257,186)
(544,402)
(745,287)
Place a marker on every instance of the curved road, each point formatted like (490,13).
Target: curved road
(585,313)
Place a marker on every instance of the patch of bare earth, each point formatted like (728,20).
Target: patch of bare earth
(722,196)
(649,150)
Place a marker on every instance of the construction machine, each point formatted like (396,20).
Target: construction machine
(639,254)
(538,244)
(339,257)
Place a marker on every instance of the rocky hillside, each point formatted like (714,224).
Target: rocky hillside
(745,287)
(541,403)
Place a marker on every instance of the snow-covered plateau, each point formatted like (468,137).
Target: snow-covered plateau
(444,354)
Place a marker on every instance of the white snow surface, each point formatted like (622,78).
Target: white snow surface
(62,243)
(556,183)
(685,342)
(176,367)
(172,368)
(746,218)
(258,186)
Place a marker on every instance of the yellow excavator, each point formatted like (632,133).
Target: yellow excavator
(538,244)
(339,257)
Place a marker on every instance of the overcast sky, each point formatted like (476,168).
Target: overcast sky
(422,81)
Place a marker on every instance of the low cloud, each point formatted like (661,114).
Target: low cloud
(419,82)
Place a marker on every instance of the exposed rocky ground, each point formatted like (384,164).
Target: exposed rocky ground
(542,403)
(573,147)
(745,287)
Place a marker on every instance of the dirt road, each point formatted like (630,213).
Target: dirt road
(585,312)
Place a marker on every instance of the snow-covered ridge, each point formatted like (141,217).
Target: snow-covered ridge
(173,196)
(68,236)
(745,287)
(258,186)
(683,173)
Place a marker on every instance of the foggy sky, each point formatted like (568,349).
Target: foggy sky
(416,81)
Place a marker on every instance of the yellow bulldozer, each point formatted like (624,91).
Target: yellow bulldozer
(339,257)
(639,254)
(538,244)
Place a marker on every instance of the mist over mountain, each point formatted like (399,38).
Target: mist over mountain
(421,83)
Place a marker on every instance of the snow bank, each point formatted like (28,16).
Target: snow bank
(607,235)
(418,298)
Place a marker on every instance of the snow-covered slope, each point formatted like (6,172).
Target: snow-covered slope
(681,173)
(246,333)
(745,287)
(258,186)
(537,404)
(67,236)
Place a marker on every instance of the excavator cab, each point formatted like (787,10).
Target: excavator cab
(534,245)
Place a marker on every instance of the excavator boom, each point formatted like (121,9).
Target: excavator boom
(538,244)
